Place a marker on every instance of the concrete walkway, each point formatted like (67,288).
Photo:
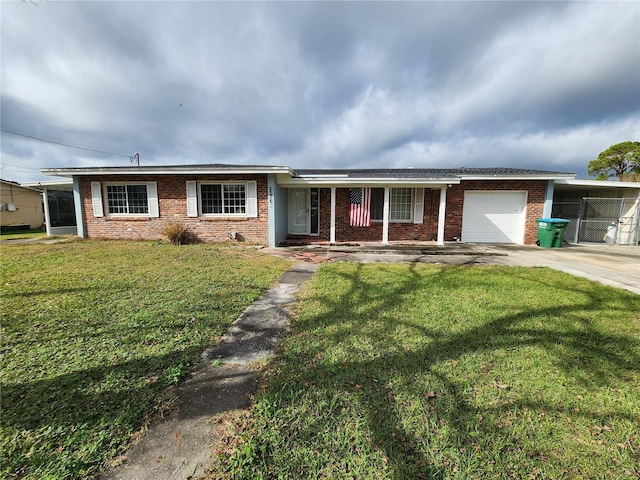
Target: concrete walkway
(179,446)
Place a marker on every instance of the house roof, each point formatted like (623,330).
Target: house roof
(289,176)
(417,176)
(434,173)
(215,168)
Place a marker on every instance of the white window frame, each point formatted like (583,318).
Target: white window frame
(411,207)
(222,184)
(152,199)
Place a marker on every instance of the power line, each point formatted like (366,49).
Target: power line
(130,157)
(5,164)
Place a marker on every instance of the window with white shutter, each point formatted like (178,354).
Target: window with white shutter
(228,199)
(126,199)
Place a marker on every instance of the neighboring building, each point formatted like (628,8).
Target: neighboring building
(20,207)
(275,204)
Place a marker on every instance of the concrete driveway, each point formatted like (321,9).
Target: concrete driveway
(615,265)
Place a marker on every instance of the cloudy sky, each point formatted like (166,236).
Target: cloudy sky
(318,85)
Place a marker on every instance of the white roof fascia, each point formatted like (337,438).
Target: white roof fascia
(598,183)
(364,182)
(327,175)
(516,177)
(164,170)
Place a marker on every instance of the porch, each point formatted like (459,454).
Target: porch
(370,214)
(391,248)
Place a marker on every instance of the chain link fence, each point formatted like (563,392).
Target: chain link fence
(593,219)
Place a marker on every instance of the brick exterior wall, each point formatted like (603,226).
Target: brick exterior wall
(172,203)
(428,230)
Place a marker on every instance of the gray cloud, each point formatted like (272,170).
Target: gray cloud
(529,84)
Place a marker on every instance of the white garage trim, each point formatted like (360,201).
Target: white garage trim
(494,216)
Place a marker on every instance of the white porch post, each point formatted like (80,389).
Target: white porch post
(77,203)
(47,217)
(332,234)
(385,216)
(441,215)
(271,208)
(548,200)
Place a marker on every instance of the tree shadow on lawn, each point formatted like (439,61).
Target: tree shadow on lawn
(399,385)
(112,318)
(70,424)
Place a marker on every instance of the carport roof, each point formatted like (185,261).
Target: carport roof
(567,184)
(62,184)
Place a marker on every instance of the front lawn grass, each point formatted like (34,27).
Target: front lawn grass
(94,333)
(405,372)
(20,234)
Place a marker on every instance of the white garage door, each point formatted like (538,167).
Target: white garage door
(494,217)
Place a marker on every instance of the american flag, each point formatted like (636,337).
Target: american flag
(359,207)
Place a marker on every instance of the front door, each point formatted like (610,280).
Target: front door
(299,211)
(304,211)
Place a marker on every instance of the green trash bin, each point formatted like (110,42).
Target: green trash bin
(550,231)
